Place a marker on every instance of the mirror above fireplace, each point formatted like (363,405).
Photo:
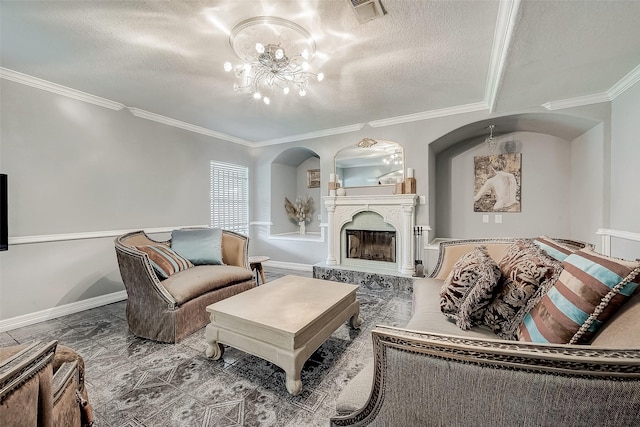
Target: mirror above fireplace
(370,163)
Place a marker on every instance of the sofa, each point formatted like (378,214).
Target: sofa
(42,384)
(169,309)
(432,372)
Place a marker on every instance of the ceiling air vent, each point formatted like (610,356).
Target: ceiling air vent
(366,10)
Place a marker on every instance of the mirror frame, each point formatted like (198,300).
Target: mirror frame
(354,149)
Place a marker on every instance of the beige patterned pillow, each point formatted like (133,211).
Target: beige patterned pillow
(527,271)
(469,287)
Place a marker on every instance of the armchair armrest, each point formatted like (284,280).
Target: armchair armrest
(25,383)
(235,249)
(435,379)
(137,273)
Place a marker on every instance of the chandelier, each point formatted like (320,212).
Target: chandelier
(275,54)
(491,140)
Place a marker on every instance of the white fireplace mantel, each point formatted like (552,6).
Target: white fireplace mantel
(397,210)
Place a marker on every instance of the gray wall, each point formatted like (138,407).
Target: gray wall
(315,193)
(587,185)
(75,168)
(625,161)
(625,170)
(283,185)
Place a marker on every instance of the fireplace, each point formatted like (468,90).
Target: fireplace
(371,245)
(395,214)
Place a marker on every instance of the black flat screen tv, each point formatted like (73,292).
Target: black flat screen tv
(4,208)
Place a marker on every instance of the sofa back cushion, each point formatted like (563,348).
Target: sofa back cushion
(621,331)
(590,289)
(451,252)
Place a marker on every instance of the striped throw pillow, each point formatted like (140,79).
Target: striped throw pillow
(553,248)
(588,292)
(164,260)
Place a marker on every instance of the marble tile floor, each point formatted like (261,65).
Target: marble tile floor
(133,382)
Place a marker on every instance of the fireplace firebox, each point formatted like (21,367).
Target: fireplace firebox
(371,245)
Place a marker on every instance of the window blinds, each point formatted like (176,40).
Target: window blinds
(230,197)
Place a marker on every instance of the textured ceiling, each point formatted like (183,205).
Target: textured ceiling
(166,57)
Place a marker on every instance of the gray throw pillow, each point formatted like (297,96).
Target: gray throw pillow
(198,245)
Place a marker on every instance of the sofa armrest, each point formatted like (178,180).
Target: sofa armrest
(435,379)
(235,249)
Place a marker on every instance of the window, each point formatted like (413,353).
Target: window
(230,197)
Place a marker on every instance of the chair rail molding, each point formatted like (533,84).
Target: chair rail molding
(24,240)
(607,234)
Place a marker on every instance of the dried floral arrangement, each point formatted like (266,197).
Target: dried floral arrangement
(301,210)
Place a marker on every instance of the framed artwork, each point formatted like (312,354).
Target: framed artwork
(497,182)
(313,178)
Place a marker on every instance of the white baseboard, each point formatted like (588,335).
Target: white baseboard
(289,265)
(63,310)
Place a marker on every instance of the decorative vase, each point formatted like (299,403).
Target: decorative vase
(341,192)
(303,228)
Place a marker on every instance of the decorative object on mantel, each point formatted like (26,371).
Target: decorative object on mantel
(497,186)
(399,187)
(417,239)
(275,52)
(341,191)
(333,184)
(410,182)
(300,211)
(313,178)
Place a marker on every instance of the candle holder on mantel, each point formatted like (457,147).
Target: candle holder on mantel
(410,182)
(417,239)
(333,184)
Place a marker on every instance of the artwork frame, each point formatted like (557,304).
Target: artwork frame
(313,178)
(497,183)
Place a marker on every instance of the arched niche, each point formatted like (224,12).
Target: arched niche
(545,141)
(290,178)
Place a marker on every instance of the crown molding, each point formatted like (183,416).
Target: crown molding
(143,114)
(311,135)
(616,90)
(578,101)
(505,23)
(432,114)
(625,83)
(37,83)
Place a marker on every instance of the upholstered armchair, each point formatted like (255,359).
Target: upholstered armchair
(169,309)
(42,384)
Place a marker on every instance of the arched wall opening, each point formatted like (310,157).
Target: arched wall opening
(561,174)
(295,173)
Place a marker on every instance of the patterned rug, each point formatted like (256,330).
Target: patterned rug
(137,382)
